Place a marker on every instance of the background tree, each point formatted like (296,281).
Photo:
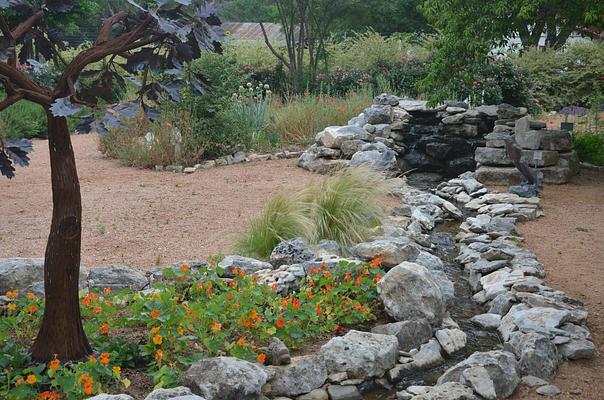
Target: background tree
(167,34)
(306,25)
(470,29)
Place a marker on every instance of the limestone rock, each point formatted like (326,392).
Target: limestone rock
(409,291)
(304,374)
(249,265)
(225,378)
(548,391)
(177,393)
(410,334)
(377,160)
(577,349)
(392,251)
(360,354)
(111,397)
(293,251)
(116,277)
(451,340)
(487,321)
(334,136)
(348,392)
(537,355)
(501,367)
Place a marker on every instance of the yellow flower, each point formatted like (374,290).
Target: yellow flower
(180,331)
(228,33)
(12,307)
(116,370)
(155,331)
(31,379)
(31,296)
(157,339)
(11,294)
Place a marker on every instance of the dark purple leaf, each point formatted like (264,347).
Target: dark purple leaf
(63,107)
(138,61)
(18,149)
(184,52)
(6,165)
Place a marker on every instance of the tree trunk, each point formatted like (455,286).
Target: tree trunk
(61,332)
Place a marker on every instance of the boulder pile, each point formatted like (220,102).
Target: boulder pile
(396,135)
(550,151)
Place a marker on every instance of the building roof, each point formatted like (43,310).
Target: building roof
(251,31)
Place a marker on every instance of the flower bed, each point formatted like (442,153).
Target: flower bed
(187,316)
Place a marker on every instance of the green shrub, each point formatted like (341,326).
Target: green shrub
(347,207)
(283,218)
(368,50)
(565,77)
(298,120)
(24,119)
(590,147)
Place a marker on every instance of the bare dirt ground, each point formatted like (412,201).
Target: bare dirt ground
(141,217)
(569,241)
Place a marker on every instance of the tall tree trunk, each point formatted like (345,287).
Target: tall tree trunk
(61,332)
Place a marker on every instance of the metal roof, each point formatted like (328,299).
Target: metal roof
(252,31)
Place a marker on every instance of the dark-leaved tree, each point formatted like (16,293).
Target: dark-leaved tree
(154,39)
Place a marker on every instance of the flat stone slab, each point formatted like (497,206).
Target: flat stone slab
(499,157)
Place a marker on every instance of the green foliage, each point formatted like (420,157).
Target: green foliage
(569,76)
(23,119)
(368,50)
(283,218)
(347,206)
(471,29)
(590,147)
(190,315)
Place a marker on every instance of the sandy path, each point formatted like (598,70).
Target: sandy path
(569,241)
(141,217)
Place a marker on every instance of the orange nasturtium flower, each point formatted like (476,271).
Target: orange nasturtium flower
(318,309)
(104,358)
(96,310)
(157,339)
(32,309)
(49,395)
(31,379)
(104,328)
(92,359)
(280,323)
(11,294)
(296,304)
(261,358)
(284,303)
(184,267)
(216,326)
(31,296)
(107,291)
(376,262)
(154,313)
(241,341)
(54,364)
(159,355)
(88,388)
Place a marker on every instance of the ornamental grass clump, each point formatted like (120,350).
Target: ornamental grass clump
(348,206)
(283,218)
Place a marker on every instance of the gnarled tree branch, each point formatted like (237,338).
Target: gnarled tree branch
(105,31)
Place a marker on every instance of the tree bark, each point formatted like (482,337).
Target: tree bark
(61,333)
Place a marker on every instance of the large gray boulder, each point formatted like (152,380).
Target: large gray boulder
(536,353)
(545,140)
(493,374)
(377,160)
(249,265)
(311,161)
(410,334)
(225,378)
(334,136)
(409,291)
(303,375)
(378,114)
(392,251)
(116,277)
(360,354)
(23,274)
(499,157)
(293,251)
(177,393)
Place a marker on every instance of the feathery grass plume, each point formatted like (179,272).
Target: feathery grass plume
(348,205)
(283,218)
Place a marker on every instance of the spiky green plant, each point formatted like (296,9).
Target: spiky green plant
(347,206)
(283,218)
